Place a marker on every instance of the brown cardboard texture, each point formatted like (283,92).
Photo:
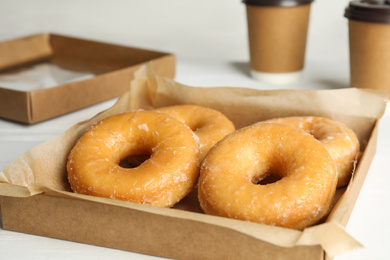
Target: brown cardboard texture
(36,197)
(277,37)
(112,65)
(369,55)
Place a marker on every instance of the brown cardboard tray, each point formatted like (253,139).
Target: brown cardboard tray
(35,196)
(112,66)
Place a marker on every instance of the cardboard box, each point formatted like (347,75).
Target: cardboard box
(36,198)
(112,65)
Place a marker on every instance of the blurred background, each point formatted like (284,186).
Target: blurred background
(198,30)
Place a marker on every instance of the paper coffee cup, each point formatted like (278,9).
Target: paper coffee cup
(369,44)
(277,33)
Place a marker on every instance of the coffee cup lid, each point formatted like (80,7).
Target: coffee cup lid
(375,11)
(284,3)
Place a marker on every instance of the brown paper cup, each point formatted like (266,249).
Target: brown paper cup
(369,38)
(277,41)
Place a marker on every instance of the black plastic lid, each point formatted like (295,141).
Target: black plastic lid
(285,3)
(375,11)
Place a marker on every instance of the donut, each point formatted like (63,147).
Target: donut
(208,124)
(233,176)
(341,142)
(96,164)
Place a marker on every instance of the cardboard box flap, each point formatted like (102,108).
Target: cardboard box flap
(19,107)
(98,55)
(26,50)
(69,50)
(330,236)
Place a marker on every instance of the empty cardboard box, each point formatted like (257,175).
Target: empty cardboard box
(58,74)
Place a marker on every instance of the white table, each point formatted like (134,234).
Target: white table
(368,222)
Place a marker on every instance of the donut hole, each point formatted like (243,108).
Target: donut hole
(267,179)
(319,134)
(134,161)
(195,126)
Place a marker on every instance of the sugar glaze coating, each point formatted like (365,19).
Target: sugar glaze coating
(230,173)
(341,142)
(169,174)
(208,124)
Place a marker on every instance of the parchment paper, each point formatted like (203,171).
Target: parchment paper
(41,76)
(43,168)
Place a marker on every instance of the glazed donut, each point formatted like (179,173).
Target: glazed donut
(169,173)
(231,175)
(339,140)
(208,124)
